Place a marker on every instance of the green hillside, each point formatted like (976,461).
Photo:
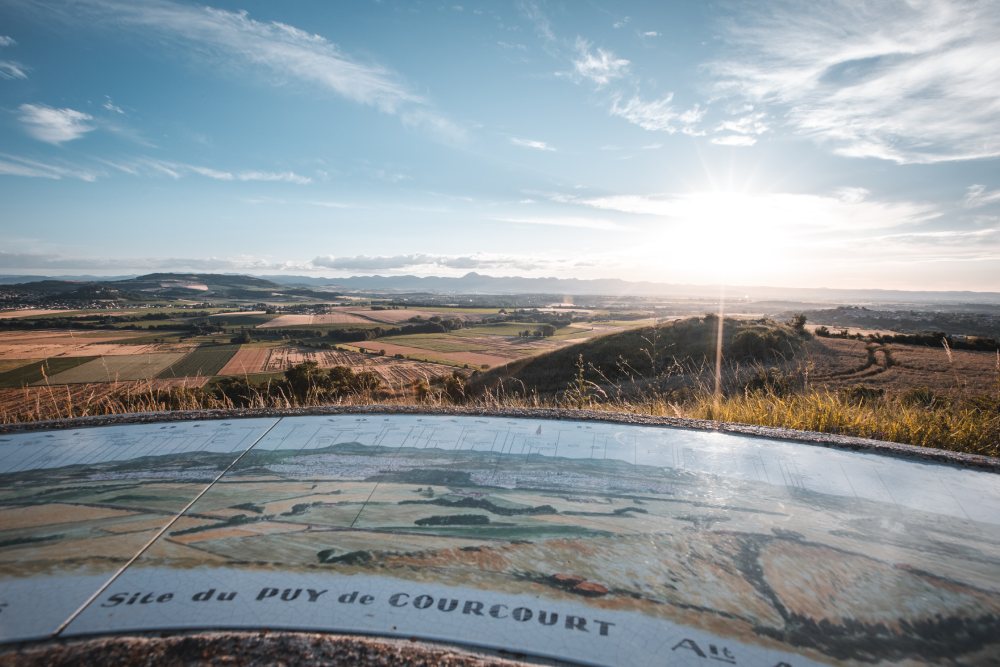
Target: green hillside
(639,355)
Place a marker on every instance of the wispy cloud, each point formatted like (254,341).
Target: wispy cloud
(565,221)
(598,65)
(14,165)
(849,208)
(531,143)
(978,195)
(52,125)
(117,264)
(423,263)
(177,170)
(911,82)
(273,177)
(650,33)
(734,140)
(658,115)
(753,124)
(277,50)
(6,40)
(541,23)
(109,105)
(11,69)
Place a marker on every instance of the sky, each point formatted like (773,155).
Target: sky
(806,144)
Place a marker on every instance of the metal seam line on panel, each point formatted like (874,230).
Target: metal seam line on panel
(96,594)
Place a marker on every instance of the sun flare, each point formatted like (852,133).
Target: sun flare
(724,237)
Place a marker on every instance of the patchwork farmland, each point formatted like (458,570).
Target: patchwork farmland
(117,368)
(253,360)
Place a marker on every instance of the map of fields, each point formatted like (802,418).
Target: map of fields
(591,542)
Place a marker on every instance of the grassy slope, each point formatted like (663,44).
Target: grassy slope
(647,352)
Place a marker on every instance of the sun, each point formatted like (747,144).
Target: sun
(723,237)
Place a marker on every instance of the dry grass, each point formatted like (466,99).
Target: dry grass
(971,426)
(920,396)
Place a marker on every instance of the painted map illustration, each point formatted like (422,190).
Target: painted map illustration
(592,542)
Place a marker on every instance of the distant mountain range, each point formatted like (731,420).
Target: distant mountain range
(204,285)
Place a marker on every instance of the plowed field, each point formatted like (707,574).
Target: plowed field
(395,372)
(838,363)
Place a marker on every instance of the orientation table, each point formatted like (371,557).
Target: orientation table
(588,542)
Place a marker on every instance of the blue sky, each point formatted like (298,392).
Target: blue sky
(797,144)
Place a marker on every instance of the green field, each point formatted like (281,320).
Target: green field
(32,373)
(118,368)
(500,329)
(437,343)
(237,320)
(203,361)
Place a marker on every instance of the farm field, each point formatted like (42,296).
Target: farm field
(38,371)
(325,319)
(490,345)
(472,359)
(45,344)
(838,363)
(251,360)
(203,361)
(118,368)
(32,312)
(247,360)
(403,315)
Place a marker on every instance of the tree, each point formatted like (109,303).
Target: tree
(307,379)
(798,322)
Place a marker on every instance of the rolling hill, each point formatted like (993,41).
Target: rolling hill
(638,356)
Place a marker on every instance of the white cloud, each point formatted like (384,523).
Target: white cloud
(54,126)
(112,107)
(911,82)
(13,165)
(280,51)
(650,33)
(848,208)
(978,195)
(177,170)
(531,143)
(271,176)
(565,221)
(734,140)
(211,173)
(852,195)
(400,262)
(600,66)
(10,70)
(39,261)
(658,115)
(750,125)
(7,41)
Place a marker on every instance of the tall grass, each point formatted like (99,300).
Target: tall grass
(963,424)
